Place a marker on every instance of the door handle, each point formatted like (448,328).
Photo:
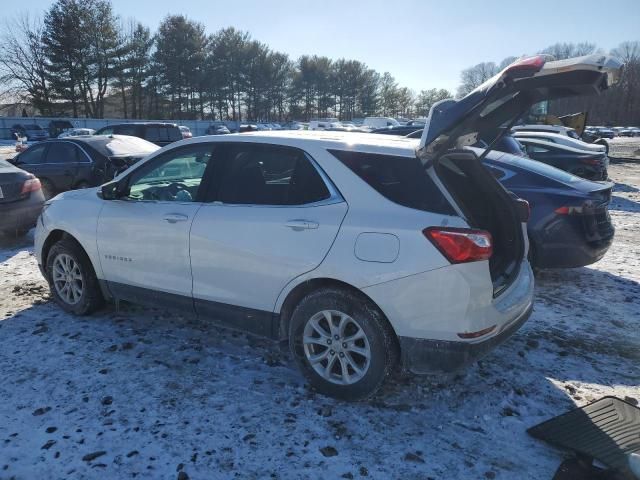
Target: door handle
(301,225)
(175,217)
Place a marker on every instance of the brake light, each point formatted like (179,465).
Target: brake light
(527,65)
(568,210)
(590,161)
(461,245)
(30,185)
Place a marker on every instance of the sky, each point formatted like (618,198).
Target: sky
(422,43)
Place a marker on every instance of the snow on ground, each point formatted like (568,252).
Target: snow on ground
(148,393)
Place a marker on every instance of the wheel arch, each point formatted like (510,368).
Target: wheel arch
(54,237)
(305,287)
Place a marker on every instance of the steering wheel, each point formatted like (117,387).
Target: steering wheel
(175,187)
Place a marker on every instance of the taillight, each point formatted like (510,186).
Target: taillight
(461,245)
(591,161)
(30,185)
(568,210)
(526,66)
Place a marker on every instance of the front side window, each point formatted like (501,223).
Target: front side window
(253,174)
(174,176)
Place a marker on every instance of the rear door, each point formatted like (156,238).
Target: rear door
(61,164)
(272,216)
(32,159)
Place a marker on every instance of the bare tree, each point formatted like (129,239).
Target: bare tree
(23,66)
(475,76)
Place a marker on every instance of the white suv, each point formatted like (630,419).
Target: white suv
(363,251)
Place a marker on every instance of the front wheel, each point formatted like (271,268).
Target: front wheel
(342,343)
(71,278)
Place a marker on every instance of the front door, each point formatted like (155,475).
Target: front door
(143,238)
(270,217)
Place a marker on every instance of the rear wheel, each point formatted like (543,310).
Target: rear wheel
(342,343)
(71,278)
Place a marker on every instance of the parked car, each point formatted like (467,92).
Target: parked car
(30,131)
(77,132)
(217,128)
(81,162)
(603,132)
(358,249)
(56,127)
(569,225)
(586,164)
(159,133)
(322,123)
(247,127)
(557,129)
(402,130)
(563,140)
(293,126)
(21,200)
(380,122)
(185,131)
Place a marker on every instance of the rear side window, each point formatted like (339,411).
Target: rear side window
(254,174)
(62,152)
(402,180)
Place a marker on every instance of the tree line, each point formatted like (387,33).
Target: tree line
(81,59)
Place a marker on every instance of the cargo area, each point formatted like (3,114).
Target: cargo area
(487,206)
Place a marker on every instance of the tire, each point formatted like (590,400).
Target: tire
(359,316)
(47,189)
(67,259)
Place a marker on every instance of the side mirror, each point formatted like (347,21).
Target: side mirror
(114,190)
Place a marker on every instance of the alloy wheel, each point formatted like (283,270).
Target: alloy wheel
(336,347)
(67,278)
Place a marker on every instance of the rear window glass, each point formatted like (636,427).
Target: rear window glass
(542,169)
(402,180)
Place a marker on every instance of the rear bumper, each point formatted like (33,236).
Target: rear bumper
(431,312)
(571,242)
(21,215)
(421,355)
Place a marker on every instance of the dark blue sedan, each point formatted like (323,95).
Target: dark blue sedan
(569,224)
